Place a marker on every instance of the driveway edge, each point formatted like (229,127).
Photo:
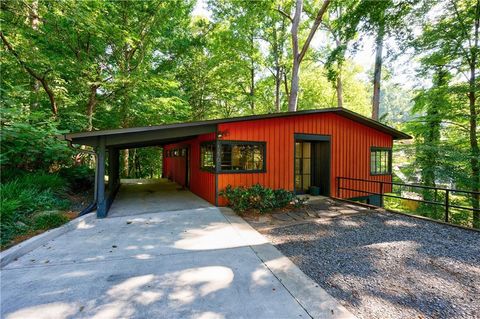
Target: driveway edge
(23,248)
(314,299)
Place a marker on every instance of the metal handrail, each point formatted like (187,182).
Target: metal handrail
(412,185)
(447,191)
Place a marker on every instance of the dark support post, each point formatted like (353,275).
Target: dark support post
(447,204)
(101,201)
(113,168)
(338,187)
(381,194)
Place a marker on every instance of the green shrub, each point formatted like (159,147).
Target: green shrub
(259,198)
(21,197)
(80,177)
(49,220)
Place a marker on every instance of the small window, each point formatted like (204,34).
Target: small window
(175,152)
(380,161)
(207,156)
(167,153)
(184,152)
(242,157)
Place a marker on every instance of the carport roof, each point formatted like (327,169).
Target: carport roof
(163,134)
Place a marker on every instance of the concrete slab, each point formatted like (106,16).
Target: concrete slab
(179,264)
(314,299)
(137,196)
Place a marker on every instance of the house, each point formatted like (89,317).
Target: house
(292,150)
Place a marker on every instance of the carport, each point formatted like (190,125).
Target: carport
(108,143)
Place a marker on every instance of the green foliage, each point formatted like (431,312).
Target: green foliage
(30,147)
(79,177)
(258,198)
(22,197)
(49,220)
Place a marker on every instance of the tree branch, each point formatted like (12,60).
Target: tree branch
(41,79)
(283,13)
(314,28)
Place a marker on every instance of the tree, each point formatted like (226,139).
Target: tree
(453,39)
(299,51)
(380,19)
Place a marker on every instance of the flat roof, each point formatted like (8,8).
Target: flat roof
(125,137)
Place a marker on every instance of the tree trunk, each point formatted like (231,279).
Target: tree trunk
(432,136)
(298,54)
(285,81)
(278,83)
(278,74)
(292,99)
(92,102)
(34,84)
(294,86)
(252,87)
(126,165)
(475,152)
(377,75)
(339,89)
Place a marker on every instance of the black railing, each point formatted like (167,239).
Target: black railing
(385,189)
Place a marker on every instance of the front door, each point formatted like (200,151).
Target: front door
(303,167)
(312,164)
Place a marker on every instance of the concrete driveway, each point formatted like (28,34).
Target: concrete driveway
(140,196)
(201,262)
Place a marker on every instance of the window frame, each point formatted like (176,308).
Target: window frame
(263,146)
(389,159)
(208,168)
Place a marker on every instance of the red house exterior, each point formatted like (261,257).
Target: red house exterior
(304,151)
(292,151)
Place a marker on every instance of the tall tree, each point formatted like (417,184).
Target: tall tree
(299,51)
(452,39)
(379,19)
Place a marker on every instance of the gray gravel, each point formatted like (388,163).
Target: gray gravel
(383,265)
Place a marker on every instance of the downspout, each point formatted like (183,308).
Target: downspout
(93,204)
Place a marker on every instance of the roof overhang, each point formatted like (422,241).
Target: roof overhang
(170,133)
(132,138)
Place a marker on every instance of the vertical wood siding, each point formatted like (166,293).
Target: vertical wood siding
(350,150)
(202,183)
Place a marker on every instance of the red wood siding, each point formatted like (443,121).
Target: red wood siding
(350,150)
(202,183)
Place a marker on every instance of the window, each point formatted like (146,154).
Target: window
(242,156)
(380,161)
(207,156)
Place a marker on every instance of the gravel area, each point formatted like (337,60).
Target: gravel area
(384,265)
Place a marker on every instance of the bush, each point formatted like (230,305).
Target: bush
(23,196)
(79,177)
(30,144)
(259,198)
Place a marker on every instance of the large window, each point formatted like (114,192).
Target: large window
(207,156)
(380,161)
(242,156)
(235,157)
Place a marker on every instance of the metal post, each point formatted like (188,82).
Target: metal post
(447,204)
(338,187)
(101,201)
(381,194)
